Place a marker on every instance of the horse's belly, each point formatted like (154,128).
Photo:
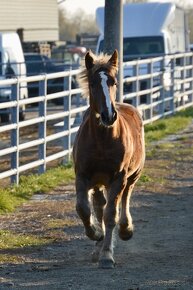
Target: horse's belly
(101,172)
(99,179)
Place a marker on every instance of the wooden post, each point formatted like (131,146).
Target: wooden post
(113,36)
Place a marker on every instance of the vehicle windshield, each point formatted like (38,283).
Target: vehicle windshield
(140,47)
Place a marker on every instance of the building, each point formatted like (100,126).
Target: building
(36,21)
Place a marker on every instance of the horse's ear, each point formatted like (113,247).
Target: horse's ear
(114,59)
(89,61)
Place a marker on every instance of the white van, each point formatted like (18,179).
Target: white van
(12,64)
(150,29)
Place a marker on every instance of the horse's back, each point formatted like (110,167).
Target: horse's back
(131,123)
(131,120)
(129,112)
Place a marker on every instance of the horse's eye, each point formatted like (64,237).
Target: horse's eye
(112,82)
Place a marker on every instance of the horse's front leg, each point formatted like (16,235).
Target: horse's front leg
(114,193)
(99,202)
(84,210)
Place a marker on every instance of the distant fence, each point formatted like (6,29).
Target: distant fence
(158,86)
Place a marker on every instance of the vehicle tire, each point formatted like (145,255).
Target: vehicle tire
(5,118)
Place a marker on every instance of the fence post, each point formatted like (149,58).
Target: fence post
(149,111)
(135,85)
(162,90)
(15,132)
(191,76)
(78,102)
(67,119)
(42,125)
(182,76)
(172,89)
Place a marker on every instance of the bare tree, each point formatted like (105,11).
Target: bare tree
(135,1)
(79,22)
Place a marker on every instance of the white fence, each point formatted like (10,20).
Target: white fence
(160,86)
(157,86)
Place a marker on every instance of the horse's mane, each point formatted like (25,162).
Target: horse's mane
(100,62)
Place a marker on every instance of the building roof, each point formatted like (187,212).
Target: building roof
(37,18)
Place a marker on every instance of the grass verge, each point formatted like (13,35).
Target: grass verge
(170,125)
(12,240)
(13,196)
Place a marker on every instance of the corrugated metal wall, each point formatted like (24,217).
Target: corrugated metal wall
(37,18)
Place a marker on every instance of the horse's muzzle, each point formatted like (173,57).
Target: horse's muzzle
(108,118)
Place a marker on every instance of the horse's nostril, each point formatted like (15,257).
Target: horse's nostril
(108,119)
(104,117)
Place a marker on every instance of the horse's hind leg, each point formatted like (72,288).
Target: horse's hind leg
(125,222)
(99,202)
(84,210)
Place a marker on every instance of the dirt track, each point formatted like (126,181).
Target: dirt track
(159,256)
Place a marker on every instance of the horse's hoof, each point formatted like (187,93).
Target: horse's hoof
(105,263)
(94,234)
(125,234)
(106,260)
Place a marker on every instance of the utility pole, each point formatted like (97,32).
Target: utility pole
(113,36)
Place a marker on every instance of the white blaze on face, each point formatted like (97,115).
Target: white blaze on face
(104,85)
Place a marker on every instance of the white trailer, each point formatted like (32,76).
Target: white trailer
(12,64)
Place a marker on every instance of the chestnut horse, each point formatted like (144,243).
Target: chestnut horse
(108,156)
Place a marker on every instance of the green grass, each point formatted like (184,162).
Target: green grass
(13,196)
(10,258)
(171,125)
(62,223)
(145,178)
(12,240)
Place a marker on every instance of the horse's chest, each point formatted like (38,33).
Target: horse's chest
(102,158)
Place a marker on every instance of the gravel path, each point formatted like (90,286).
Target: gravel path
(159,256)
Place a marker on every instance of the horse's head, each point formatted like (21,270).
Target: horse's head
(102,86)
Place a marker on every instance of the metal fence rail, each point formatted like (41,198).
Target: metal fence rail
(157,86)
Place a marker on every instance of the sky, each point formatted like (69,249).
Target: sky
(89,6)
